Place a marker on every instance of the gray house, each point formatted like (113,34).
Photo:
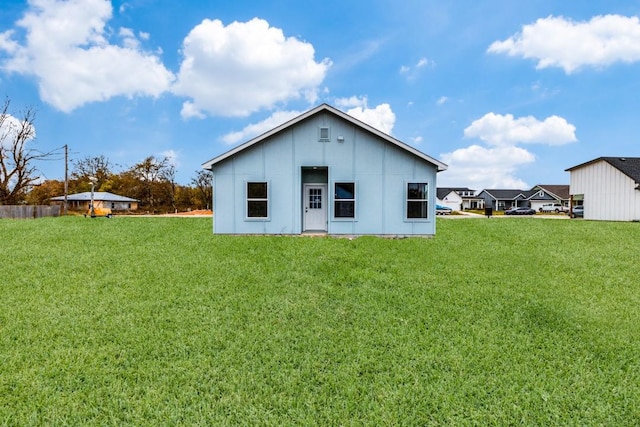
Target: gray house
(324,172)
(101,199)
(501,199)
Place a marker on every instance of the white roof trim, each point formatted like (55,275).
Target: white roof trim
(209,164)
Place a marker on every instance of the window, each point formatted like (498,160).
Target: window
(417,200)
(257,200)
(324,134)
(344,205)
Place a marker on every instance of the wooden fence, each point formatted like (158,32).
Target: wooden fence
(28,211)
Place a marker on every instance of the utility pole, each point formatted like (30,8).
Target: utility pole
(66,176)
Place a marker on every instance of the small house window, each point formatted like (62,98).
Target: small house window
(324,134)
(541,193)
(344,200)
(257,200)
(417,200)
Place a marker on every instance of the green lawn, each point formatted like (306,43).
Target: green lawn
(155,321)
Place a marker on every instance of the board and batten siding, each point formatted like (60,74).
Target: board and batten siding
(608,193)
(379,169)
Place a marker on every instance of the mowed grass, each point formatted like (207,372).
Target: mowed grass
(156,321)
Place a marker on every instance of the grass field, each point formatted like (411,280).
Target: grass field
(155,321)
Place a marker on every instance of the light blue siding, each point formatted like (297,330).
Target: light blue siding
(285,160)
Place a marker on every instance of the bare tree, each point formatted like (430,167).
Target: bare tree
(17,158)
(202,184)
(87,168)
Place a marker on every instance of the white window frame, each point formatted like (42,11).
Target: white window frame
(322,138)
(407,200)
(354,200)
(247,199)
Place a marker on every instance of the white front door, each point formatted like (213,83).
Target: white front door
(315,207)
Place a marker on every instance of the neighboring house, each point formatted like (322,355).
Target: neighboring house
(101,199)
(459,198)
(543,194)
(608,187)
(327,172)
(500,200)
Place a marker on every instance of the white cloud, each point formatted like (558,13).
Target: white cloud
(411,71)
(10,126)
(497,165)
(497,130)
(570,45)
(442,100)
(240,68)
(66,48)
(479,167)
(255,129)
(354,101)
(381,117)
(172,157)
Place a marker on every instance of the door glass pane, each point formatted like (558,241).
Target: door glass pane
(315,198)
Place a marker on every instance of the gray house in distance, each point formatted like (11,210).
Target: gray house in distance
(500,199)
(324,172)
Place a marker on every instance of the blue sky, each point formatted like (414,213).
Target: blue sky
(508,93)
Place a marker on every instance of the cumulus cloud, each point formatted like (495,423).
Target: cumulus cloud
(240,68)
(381,117)
(480,167)
(255,129)
(497,129)
(496,165)
(10,126)
(570,45)
(66,47)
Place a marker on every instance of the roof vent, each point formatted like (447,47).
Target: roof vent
(622,159)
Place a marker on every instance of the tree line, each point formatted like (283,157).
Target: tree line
(151,181)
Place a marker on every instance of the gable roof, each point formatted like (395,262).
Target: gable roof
(325,107)
(629,166)
(560,192)
(443,191)
(97,195)
(503,194)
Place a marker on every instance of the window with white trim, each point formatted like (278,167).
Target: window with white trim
(344,204)
(257,200)
(323,134)
(417,200)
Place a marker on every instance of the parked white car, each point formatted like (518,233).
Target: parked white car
(553,207)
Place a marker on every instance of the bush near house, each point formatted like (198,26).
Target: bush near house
(155,321)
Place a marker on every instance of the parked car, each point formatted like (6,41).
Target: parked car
(553,207)
(520,211)
(443,210)
(577,211)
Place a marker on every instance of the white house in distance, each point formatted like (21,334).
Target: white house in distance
(608,187)
(324,172)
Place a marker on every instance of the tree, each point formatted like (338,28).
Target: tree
(153,175)
(97,167)
(42,193)
(202,184)
(17,158)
